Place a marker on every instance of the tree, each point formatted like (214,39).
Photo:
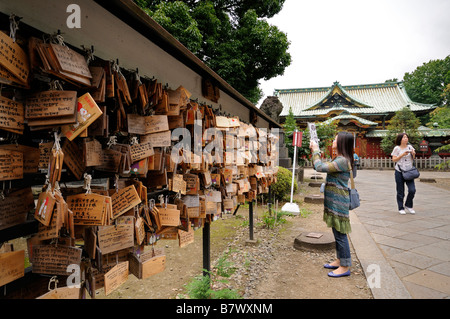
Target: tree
(230,36)
(441,116)
(426,84)
(405,121)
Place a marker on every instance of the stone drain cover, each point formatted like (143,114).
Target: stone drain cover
(314,241)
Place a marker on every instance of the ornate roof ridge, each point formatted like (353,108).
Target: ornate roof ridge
(328,95)
(346,87)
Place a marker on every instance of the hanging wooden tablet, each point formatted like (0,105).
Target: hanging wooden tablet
(192,184)
(11,165)
(70,61)
(124,200)
(185,237)
(159,139)
(140,151)
(62,293)
(87,112)
(92,152)
(58,60)
(139,230)
(51,108)
(54,260)
(11,115)
(110,161)
(169,216)
(116,277)
(31,156)
(147,124)
(149,263)
(55,166)
(115,237)
(178,184)
(73,158)
(89,209)
(14,58)
(15,207)
(11,266)
(44,207)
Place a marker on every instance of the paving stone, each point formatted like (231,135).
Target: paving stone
(443,268)
(416,260)
(431,280)
(421,292)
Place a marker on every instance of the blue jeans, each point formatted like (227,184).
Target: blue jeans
(342,248)
(400,182)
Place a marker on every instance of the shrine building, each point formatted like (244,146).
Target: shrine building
(362,109)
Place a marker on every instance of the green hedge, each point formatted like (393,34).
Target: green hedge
(281,190)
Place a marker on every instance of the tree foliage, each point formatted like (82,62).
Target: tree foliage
(406,121)
(441,116)
(230,36)
(426,84)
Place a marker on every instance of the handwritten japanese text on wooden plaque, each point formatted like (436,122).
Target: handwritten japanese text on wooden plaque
(54,260)
(124,200)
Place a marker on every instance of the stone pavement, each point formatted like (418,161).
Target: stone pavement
(403,256)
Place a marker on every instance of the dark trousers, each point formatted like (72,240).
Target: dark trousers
(400,182)
(342,248)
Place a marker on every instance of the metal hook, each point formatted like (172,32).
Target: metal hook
(54,279)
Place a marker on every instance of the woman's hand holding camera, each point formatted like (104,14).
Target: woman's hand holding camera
(313,146)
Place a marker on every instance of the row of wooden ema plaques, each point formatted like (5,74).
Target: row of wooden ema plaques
(117,129)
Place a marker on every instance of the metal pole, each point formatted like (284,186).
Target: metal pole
(206,249)
(269,202)
(293,166)
(250,217)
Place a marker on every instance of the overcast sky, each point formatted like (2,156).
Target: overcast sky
(359,41)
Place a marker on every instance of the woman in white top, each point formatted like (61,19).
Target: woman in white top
(403,155)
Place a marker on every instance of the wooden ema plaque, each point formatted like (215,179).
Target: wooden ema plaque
(90,209)
(12,266)
(73,158)
(54,260)
(115,237)
(62,293)
(169,216)
(71,61)
(116,277)
(149,263)
(11,115)
(185,237)
(31,156)
(13,58)
(92,153)
(14,207)
(178,184)
(110,160)
(158,139)
(87,112)
(143,125)
(44,208)
(51,104)
(141,151)
(123,200)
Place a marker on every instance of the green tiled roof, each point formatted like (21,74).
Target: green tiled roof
(379,98)
(425,131)
(351,117)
